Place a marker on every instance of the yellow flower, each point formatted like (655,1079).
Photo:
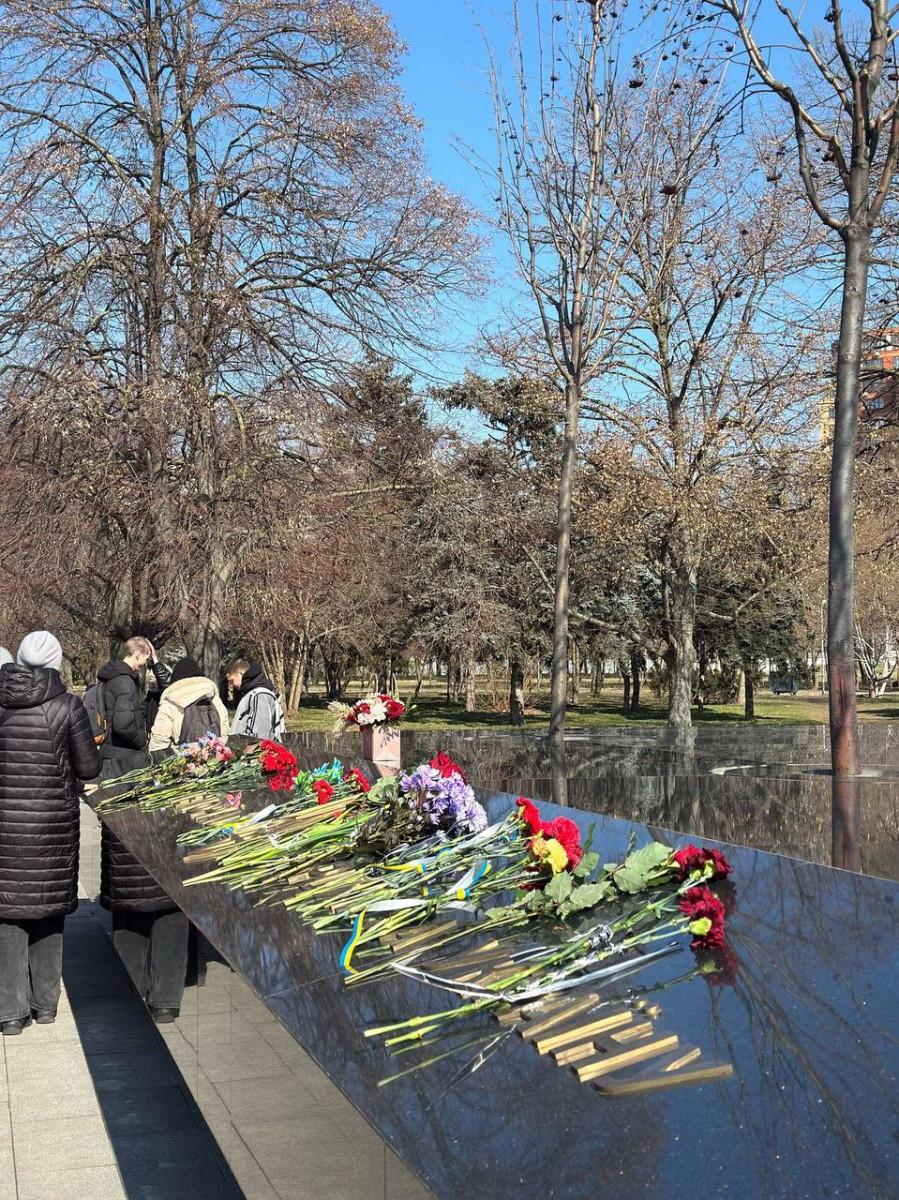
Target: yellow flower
(550,851)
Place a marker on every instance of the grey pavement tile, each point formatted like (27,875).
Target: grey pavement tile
(400,1182)
(297,1145)
(251,1178)
(205,1000)
(247,1056)
(345,1181)
(31,1098)
(7,1162)
(95,1183)
(253,1100)
(286,1046)
(8,1189)
(57,1144)
(28,1059)
(215,1028)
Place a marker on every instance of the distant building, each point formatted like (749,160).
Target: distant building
(878,408)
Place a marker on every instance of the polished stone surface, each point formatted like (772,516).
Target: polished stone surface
(759,786)
(807,1020)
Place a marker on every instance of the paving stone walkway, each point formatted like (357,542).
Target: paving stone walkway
(221,1105)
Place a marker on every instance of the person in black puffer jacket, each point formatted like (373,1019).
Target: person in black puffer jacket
(46,746)
(150,933)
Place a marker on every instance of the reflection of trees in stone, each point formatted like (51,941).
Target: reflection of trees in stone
(810,1029)
(649,777)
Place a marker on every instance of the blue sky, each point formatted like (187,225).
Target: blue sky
(445,80)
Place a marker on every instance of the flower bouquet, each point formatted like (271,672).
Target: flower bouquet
(191,768)
(376,716)
(652,896)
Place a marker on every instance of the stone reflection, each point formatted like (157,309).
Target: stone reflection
(766,788)
(845,816)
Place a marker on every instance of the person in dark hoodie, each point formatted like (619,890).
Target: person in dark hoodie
(125,748)
(259,713)
(46,747)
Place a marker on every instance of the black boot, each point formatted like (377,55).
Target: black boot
(164,1016)
(44,1016)
(11,1028)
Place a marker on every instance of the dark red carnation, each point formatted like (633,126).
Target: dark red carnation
(395,708)
(700,904)
(530,814)
(355,776)
(323,790)
(696,858)
(720,863)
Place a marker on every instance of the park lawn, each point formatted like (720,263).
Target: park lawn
(433,712)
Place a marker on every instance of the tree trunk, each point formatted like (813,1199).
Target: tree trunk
(680,655)
(516,692)
(471,686)
(841,559)
(559,683)
(575,678)
(624,668)
(636,666)
(749,692)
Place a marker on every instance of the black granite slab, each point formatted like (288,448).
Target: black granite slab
(808,1022)
(765,787)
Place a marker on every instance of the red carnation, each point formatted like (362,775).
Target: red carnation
(356,776)
(323,790)
(362,707)
(701,905)
(445,765)
(278,763)
(395,708)
(530,814)
(566,832)
(696,858)
(720,863)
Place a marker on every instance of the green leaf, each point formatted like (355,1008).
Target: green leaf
(590,894)
(634,875)
(586,866)
(559,887)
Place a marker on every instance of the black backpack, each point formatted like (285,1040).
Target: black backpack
(94,701)
(200,718)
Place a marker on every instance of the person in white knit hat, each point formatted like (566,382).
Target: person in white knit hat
(5,656)
(40,649)
(46,747)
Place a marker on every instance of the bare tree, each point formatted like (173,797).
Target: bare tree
(716,375)
(844,105)
(201,202)
(559,179)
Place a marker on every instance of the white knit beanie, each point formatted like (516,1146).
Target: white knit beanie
(5,656)
(40,649)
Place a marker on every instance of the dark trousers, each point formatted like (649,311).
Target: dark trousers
(153,947)
(30,967)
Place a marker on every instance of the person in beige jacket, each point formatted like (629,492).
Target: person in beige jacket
(189,702)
